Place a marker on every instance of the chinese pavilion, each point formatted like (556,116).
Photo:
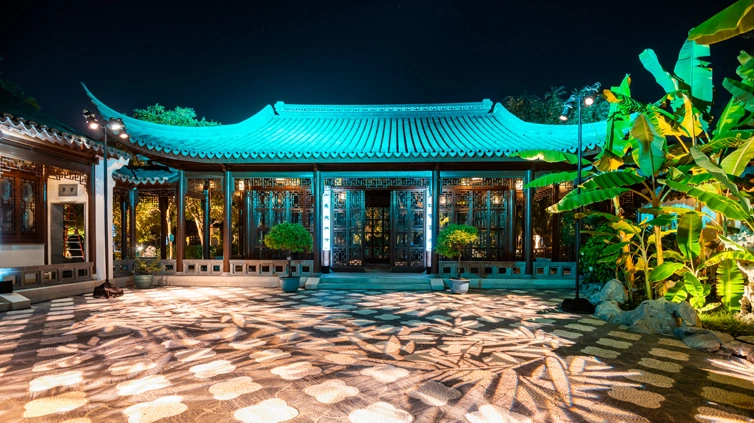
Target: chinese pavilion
(374,185)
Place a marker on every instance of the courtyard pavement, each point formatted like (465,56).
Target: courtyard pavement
(257,355)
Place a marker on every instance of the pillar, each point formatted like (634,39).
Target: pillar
(206,207)
(528,226)
(511,222)
(91,229)
(180,229)
(163,205)
(317,198)
(555,225)
(247,225)
(132,201)
(228,187)
(123,228)
(436,191)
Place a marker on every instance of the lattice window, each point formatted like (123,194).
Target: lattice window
(270,207)
(20,216)
(9,164)
(376,182)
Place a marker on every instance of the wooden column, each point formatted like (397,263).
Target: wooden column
(247,225)
(132,201)
(228,187)
(317,198)
(180,230)
(91,239)
(511,243)
(529,225)
(555,225)
(123,227)
(436,191)
(163,205)
(46,213)
(206,208)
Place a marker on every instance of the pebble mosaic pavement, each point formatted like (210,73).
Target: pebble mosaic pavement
(257,355)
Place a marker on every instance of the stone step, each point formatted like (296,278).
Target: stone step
(375,286)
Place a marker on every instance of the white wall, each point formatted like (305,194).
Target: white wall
(99,187)
(20,255)
(82,197)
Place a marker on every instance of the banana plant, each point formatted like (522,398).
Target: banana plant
(689,263)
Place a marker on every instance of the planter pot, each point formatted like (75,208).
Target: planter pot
(459,286)
(143,281)
(289,284)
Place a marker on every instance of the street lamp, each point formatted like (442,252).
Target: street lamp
(585,97)
(115,127)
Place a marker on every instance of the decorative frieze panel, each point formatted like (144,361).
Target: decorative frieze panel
(247,184)
(376,182)
(58,173)
(198,185)
(11,164)
(479,182)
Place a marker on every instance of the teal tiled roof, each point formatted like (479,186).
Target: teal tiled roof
(310,133)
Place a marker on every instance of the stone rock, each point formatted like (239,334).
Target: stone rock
(747,301)
(608,311)
(747,339)
(740,349)
(723,336)
(650,317)
(588,289)
(612,291)
(699,338)
(684,312)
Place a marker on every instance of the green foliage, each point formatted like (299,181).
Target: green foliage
(453,239)
(593,252)
(546,109)
(146,267)
(180,116)
(290,237)
(725,321)
(735,20)
(730,284)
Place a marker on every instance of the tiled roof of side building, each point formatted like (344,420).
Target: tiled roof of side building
(18,116)
(317,133)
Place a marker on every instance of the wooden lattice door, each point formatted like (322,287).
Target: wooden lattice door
(409,210)
(347,228)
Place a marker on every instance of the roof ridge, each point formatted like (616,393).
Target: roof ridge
(481,106)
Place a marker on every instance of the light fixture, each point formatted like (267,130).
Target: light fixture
(91,119)
(589,101)
(241,185)
(115,124)
(567,108)
(123,135)
(590,93)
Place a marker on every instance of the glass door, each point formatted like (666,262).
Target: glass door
(409,210)
(347,229)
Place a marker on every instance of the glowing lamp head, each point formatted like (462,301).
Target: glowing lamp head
(93,125)
(589,101)
(563,118)
(115,126)
(123,135)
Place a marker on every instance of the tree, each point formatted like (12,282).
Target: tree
(185,116)
(547,109)
(18,92)
(180,116)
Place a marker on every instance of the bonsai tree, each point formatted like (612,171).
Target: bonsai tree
(146,267)
(289,237)
(453,239)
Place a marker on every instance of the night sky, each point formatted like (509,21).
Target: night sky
(229,61)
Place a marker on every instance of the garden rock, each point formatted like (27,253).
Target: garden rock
(747,339)
(685,312)
(607,311)
(650,317)
(741,349)
(699,338)
(612,291)
(588,289)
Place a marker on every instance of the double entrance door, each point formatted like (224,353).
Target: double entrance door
(378,229)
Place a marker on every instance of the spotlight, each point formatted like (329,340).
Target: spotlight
(123,135)
(590,93)
(115,125)
(589,101)
(566,109)
(91,119)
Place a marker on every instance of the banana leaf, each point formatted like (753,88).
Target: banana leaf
(734,20)
(555,178)
(730,119)
(726,140)
(730,285)
(746,70)
(741,92)
(732,255)
(695,73)
(608,161)
(662,220)
(729,243)
(614,248)
(616,179)
(549,156)
(650,62)
(677,293)
(696,289)
(720,175)
(626,227)
(663,271)
(650,154)
(584,199)
(736,162)
(672,255)
(608,216)
(689,231)
(715,202)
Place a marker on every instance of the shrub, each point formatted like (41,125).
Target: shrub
(453,239)
(146,267)
(723,320)
(289,237)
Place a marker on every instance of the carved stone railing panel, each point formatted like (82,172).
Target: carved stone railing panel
(54,274)
(507,269)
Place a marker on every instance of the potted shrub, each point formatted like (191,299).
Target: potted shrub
(291,238)
(450,243)
(144,271)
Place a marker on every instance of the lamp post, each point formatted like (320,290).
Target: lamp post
(116,127)
(585,97)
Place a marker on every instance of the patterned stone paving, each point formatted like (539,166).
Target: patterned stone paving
(252,355)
